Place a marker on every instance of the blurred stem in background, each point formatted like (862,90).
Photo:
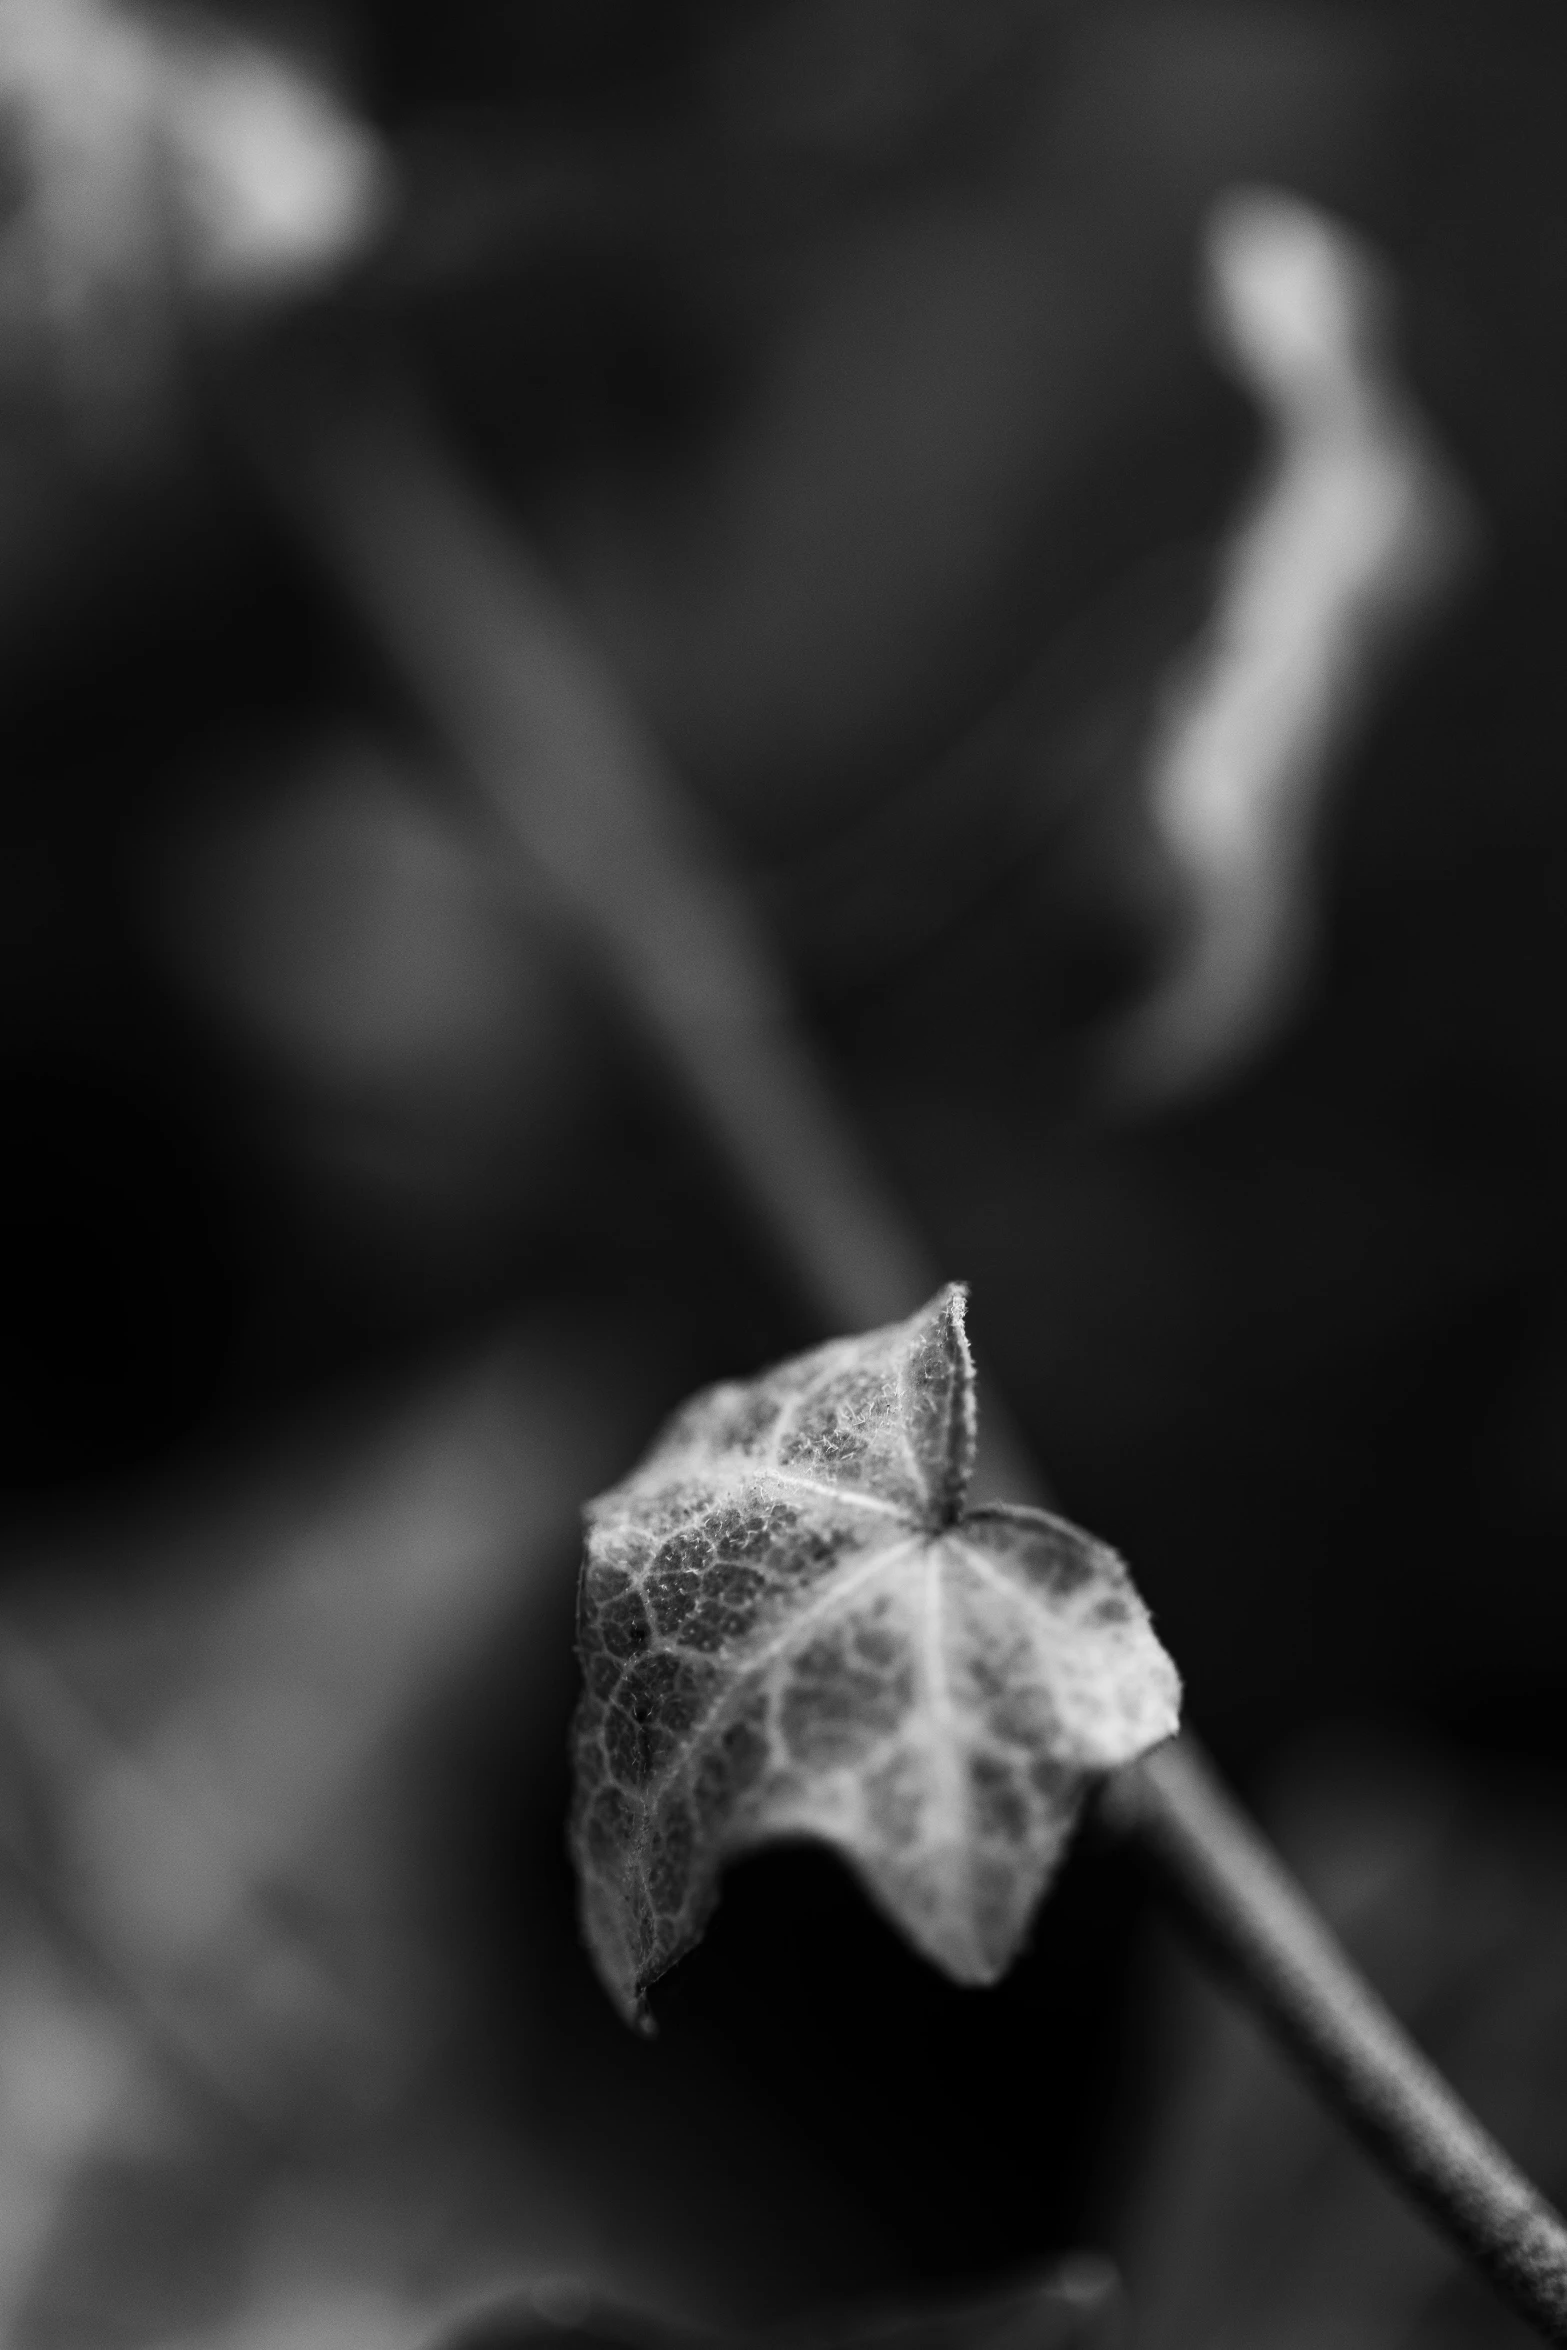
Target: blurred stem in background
(162,157)
(559,759)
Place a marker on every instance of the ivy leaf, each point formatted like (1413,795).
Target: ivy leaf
(791,1626)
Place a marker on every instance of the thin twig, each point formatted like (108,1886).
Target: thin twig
(542,728)
(569,775)
(577,789)
(1294,1972)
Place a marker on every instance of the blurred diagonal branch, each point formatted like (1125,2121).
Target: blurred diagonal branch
(580,790)
(583,793)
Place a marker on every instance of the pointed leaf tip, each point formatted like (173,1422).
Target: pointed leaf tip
(790,1626)
(943,1419)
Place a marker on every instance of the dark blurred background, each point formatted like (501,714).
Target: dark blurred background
(856,378)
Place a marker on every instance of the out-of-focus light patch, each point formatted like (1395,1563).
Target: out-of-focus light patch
(352,924)
(218,1934)
(396,989)
(83,312)
(279,183)
(66,2068)
(174,1837)
(152,158)
(1356,538)
(341,2319)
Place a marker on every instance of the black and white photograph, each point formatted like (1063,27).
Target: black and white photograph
(783,1037)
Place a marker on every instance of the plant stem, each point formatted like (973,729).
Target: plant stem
(571,779)
(1300,1980)
(575,784)
(570,776)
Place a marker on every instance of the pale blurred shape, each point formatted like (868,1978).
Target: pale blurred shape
(354,925)
(280,183)
(158,158)
(394,987)
(301,2319)
(65,2070)
(1354,542)
(214,1927)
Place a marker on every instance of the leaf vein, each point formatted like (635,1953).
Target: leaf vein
(745,1665)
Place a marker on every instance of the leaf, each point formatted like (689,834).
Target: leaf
(790,1626)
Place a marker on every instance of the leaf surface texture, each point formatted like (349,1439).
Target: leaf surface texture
(791,1626)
